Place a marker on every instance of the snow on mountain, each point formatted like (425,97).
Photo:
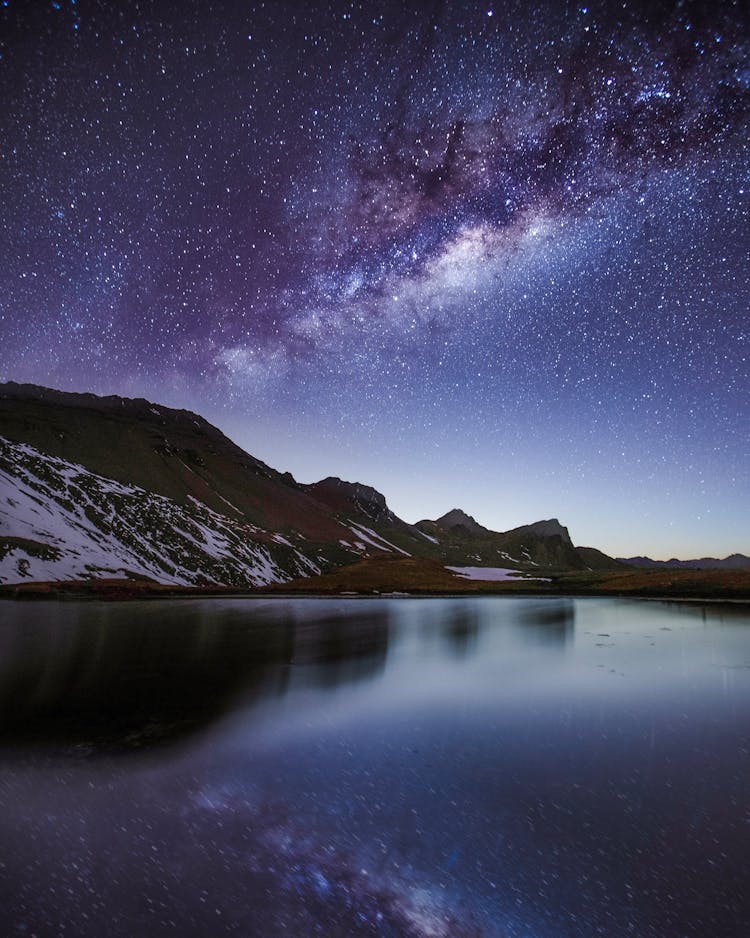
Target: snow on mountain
(60,521)
(374,539)
(485,573)
(108,487)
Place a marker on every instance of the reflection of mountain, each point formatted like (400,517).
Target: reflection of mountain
(339,648)
(127,677)
(548,621)
(461,629)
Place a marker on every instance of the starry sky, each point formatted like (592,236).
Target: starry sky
(493,256)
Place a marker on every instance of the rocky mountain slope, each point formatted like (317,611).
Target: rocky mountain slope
(365,512)
(103,487)
(541,545)
(58,520)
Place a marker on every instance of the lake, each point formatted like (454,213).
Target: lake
(432,768)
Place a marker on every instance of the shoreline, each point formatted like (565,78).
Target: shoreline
(134,591)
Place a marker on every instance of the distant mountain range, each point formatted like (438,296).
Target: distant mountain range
(95,487)
(732,562)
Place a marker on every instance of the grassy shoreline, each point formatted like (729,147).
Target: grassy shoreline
(415,577)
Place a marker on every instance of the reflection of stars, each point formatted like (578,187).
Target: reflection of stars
(318,879)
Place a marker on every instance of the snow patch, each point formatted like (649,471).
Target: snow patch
(484,573)
(227,502)
(83,525)
(379,542)
(495,574)
(507,556)
(281,540)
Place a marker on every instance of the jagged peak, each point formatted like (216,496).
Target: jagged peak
(364,498)
(456,517)
(551,527)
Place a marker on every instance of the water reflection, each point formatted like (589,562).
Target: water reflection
(141,674)
(466,767)
(460,629)
(548,621)
(331,651)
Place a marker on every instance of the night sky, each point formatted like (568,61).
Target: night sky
(486,256)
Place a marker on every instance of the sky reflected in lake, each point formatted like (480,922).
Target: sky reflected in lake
(488,766)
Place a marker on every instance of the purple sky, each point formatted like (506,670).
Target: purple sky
(493,256)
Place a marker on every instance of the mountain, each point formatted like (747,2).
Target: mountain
(551,528)
(594,559)
(102,487)
(456,518)
(365,513)
(542,545)
(108,486)
(173,453)
(58,520)
(732,562)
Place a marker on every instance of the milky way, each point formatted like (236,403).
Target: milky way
(488,255)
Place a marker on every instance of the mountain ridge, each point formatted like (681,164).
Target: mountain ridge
(457,517)
(99,463)
(731,562)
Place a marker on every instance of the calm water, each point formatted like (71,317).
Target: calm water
(441,768)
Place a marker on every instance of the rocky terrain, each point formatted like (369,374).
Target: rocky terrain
(540,546)
(102,488)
